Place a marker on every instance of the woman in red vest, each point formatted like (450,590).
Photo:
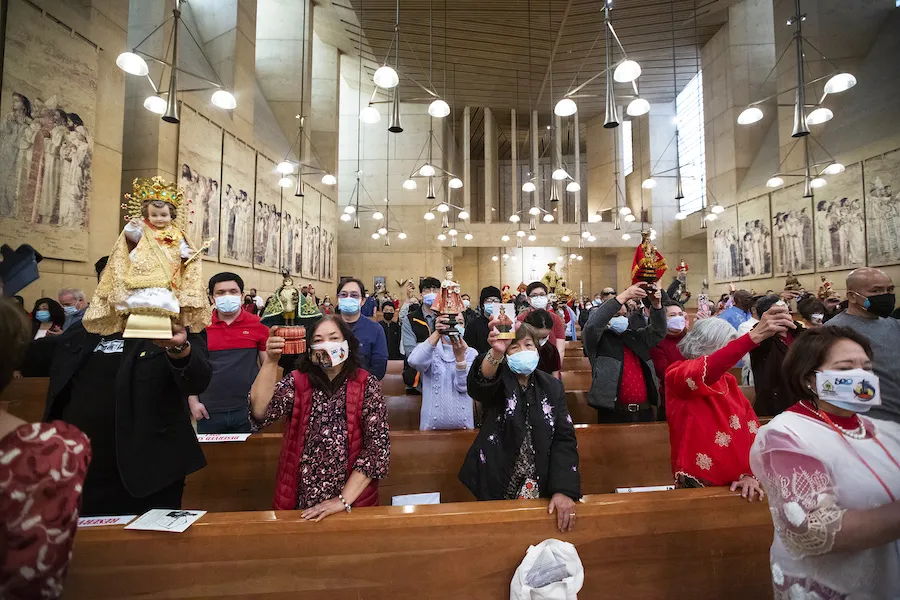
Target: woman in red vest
(336,440)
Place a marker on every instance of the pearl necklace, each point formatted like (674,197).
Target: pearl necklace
(858,433)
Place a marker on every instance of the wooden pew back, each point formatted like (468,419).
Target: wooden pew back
(681,544)
(241,476)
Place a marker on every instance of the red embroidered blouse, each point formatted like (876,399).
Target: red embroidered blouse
(42,469)
(711,423)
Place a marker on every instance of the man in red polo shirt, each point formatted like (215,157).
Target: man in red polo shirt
(237,345)
(538,299)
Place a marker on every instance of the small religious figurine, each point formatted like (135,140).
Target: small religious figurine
(551,278)
(825,290)
(505,325)
(505,294)
(791,283)
(648,264)
(449,302)
(682,270)
(154,275)
(284,301)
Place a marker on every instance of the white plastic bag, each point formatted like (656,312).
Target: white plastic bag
(551,570)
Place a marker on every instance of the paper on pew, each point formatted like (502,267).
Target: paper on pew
(166,519)
(104,521)
(646,488)
(222,437)
(412,499)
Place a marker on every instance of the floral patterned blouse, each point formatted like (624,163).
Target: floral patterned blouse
(42,469)
(323,465)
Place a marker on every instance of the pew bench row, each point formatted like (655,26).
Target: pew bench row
(682,544)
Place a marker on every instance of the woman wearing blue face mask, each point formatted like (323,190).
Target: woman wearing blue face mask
(443,362)
(47,318)
(832,475)
(526,447)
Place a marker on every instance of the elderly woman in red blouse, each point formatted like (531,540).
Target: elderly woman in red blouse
(336,442)
(711,423)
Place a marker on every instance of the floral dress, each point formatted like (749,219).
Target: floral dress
(42,469)
(323,464)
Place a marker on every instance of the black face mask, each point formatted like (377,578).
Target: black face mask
(388,316)
(881,305)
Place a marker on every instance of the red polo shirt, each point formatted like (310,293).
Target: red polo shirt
(633,386)
(233,355)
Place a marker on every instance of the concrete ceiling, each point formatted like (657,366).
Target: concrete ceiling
(481,49)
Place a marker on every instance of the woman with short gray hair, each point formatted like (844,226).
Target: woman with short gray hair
(711,423)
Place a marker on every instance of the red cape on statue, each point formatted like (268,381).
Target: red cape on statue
(648,264)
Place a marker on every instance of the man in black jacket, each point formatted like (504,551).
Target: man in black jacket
(623,381)
(477,330)
(130,398)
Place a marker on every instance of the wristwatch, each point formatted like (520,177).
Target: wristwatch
(178,349)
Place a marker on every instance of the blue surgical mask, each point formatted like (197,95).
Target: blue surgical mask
(42,315)
(618,324)
(467,303)
(488,310)
(429,299)
(228,304)
(348,306)
(597,302)
(70,310)
(523,362)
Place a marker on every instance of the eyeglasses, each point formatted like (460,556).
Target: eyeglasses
(356,295)
(491,300)
(540,294)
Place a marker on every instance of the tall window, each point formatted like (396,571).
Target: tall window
(691,145)
(627,154)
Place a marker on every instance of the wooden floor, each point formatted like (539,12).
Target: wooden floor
(684,544)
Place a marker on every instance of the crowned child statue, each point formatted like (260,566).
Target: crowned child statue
(154,276)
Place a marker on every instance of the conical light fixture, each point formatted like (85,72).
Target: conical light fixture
(395,126)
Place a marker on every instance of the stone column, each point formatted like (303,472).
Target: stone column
(514,146)
(491,166)
(324,111)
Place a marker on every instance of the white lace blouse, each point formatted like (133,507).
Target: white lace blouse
(811,477)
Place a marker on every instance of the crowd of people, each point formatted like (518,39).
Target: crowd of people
(830,475)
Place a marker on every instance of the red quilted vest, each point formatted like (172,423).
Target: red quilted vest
(295,437)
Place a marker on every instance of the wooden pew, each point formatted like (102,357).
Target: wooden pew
(241,476)
(576,363)
(683,544)
(395,367)
(26,398)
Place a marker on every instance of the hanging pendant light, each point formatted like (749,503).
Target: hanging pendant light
(750,115)
(395,126)
(386,77)
(565,108)
(369,115)
(554,192)
(627,71)
(156,105)
(837,84)
(819,116)
(611,119)
(133,64)
(439,109)
(637,107)
(298,193)
(430,191)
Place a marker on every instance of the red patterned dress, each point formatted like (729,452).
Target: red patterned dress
(42,469)
(711,423)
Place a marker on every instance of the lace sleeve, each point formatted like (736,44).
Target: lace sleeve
(801,494)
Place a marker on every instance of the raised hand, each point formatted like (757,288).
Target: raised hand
(775,321)
(274,345)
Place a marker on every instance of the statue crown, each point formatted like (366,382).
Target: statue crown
(154,188)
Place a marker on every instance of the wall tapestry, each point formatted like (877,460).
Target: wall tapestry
(328,239)
(200,157)
(840,222)
(726,248)
(47,114)
(236,221)
(267,226)
(292,232)
(755,238)
(792,230)
(882,175)
(311,227)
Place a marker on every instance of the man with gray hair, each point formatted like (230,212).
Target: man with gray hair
(870,301)
(74,304)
